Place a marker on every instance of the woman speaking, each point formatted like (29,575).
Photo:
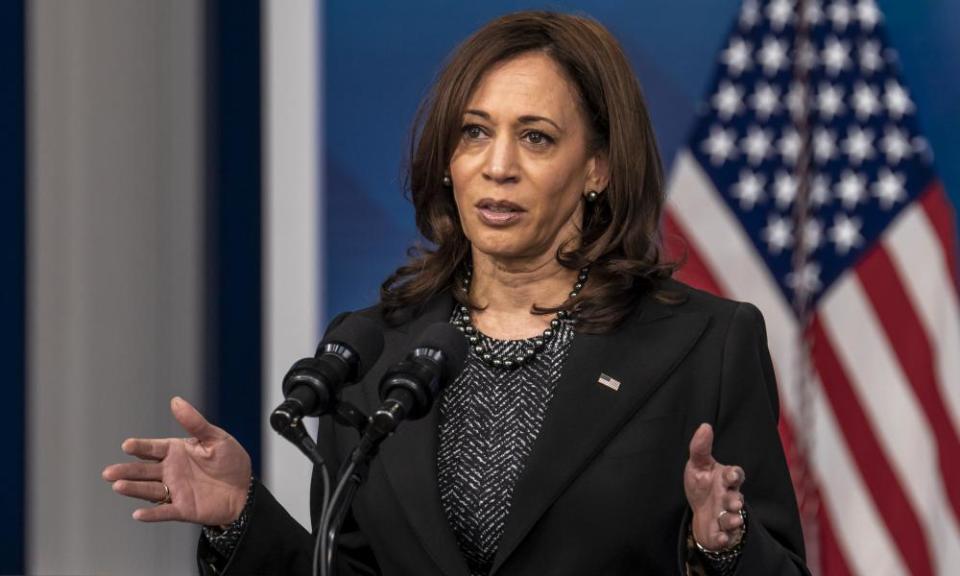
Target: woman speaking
(608,420)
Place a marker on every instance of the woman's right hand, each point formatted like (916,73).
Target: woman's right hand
(207,474)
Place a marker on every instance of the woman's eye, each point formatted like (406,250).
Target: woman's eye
(472,132)
(537,138)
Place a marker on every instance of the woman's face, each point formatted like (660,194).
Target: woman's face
(522,163)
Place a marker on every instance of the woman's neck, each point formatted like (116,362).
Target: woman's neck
(508,290)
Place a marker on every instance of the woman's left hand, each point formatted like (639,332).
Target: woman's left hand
(713,492)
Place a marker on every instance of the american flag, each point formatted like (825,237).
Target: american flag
(807,188)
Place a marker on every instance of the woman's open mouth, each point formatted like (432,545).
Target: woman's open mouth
(498,212)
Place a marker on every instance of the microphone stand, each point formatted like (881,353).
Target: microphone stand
(294,431)
(409,389)
(375,430)
(351,479)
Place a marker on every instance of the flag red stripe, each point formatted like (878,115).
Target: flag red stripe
(909,340)
(829,556)
(940,213)
(832,561)
(680,246)
(888,495)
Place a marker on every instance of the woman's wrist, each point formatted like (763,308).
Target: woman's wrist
(722,561)
(733,543)
(214,533)
(240,503)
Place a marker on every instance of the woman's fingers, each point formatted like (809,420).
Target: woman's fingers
(733,502)
(146,448)
(713,492)
(723,541)
(733,477)
(162,513)
(149,491)
(193,422)
(133,471)
(730,521)
(701,447)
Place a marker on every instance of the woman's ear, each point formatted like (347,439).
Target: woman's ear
(598,172)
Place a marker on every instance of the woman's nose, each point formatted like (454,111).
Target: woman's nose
(501,161)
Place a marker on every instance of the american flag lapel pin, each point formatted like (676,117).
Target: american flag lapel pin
(609,382)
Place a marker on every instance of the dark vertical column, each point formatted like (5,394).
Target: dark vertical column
(12,286)
(233,294)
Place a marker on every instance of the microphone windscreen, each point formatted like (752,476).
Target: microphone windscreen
(444,336)
(361,335)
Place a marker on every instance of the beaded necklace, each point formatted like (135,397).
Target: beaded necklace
(464,323)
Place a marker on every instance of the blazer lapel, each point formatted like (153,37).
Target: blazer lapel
(409,457)
(584,415)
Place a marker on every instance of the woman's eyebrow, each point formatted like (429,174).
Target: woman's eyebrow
(480,113)
(526,119)
(532,119)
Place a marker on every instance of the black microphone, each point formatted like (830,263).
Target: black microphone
(409,388)
(407,392)
(312,385)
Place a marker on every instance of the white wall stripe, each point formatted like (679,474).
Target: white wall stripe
(694,202)
(115,266)
(900,424)
(291,279)
(931,291)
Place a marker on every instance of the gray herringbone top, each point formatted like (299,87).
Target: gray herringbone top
(489,420)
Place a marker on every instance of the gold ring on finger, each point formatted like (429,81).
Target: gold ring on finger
(166,496)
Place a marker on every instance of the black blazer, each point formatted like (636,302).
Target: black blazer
(602,492)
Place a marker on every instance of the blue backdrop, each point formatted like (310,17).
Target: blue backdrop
(13,289)
(380,58)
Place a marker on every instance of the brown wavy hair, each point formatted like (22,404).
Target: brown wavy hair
(620,238)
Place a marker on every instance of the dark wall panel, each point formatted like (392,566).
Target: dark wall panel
(233,220)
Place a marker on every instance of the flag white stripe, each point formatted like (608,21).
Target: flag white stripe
(858,527)
(696,205)
(899,422)
(927,281)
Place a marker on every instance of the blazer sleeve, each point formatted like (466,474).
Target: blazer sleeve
(275,543)
(745,434)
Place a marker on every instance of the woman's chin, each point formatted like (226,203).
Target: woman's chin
(512,245)
(497,253)
(506,251)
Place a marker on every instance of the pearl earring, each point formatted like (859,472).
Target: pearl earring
(447,181)
(592,196)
